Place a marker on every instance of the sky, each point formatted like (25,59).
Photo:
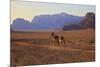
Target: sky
(29,9)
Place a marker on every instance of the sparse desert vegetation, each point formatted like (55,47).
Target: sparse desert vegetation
(34,48)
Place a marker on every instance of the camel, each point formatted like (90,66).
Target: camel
(62,40)
(55,39)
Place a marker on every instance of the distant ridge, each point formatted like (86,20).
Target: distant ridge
(87,22)
(45,22)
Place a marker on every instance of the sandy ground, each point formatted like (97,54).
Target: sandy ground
(34,48)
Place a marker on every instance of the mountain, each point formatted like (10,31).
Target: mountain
(21,24)
(54,21)
(72,27)
(88,21)
(45,22)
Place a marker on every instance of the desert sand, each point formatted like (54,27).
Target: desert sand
(34,48)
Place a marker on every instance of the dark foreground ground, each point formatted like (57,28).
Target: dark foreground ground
(33,48)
